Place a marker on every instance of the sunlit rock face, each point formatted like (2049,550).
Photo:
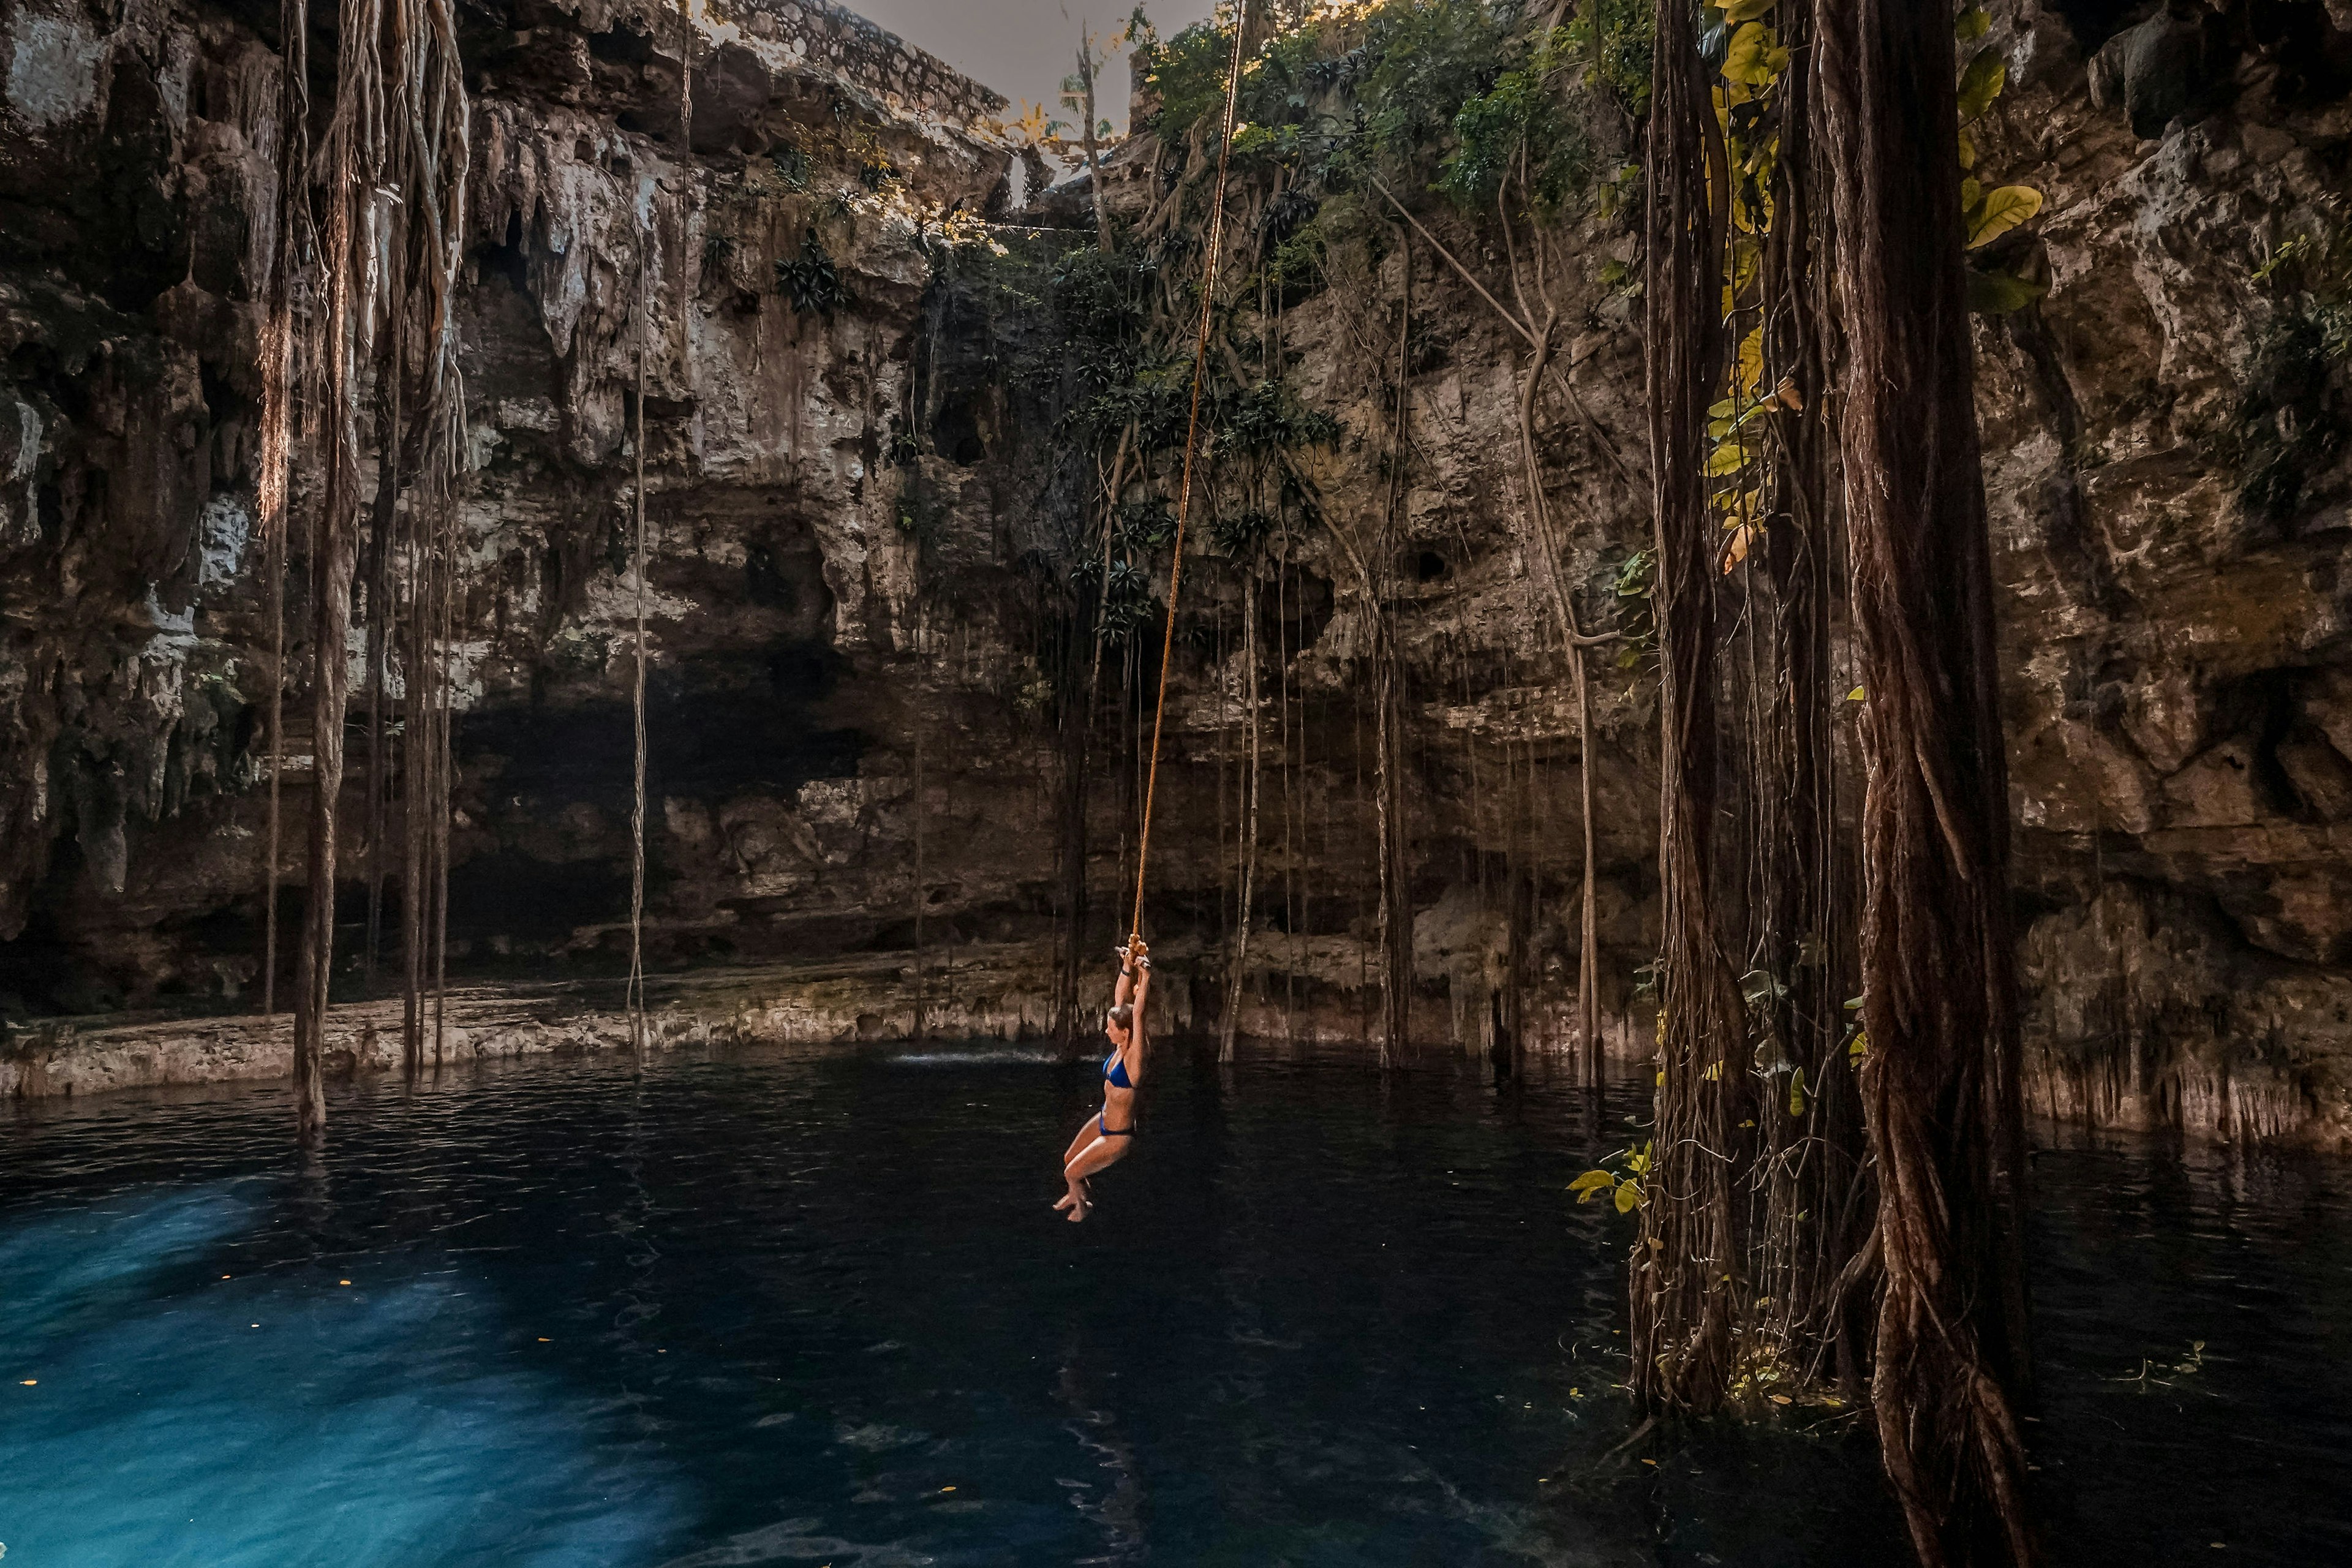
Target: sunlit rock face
(2179,689)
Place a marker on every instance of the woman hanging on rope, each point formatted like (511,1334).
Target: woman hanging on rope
(1110,1132)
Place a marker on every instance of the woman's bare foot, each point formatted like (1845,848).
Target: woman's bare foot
(1080,1210)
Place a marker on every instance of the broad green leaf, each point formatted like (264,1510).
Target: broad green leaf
(1756,56)
(1999,293)
(1971,23)
(1853,1003)
(1585,1185)
(1971,197)
(1968,152)
(1729,458)
(1628,1197)
(2003,210)
(1987,74)
(1860,1047)
(1747,10)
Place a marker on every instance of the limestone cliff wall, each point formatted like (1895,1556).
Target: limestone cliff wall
(2179,672)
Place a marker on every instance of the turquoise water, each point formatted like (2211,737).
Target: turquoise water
(778,1309)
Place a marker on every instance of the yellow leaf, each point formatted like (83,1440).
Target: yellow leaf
(1591,1183)
(1748,374)
(1971,23)
(1987,74)
(1746,10)
(1729,458)
(1627,1195)
(1713,1073)
(1968,152)
(1756,56)
(2004,208)
(1854,695)
(1971,194)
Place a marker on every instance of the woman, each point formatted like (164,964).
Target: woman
(1107,1136)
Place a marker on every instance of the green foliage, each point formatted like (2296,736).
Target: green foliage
(1999,293)
(2293,418)
(1637,620)
(903,446)
(1145,526)
(791,165)
(1521,110)
(1128,604)
(1624,1187)
(1268,417)
(810,282)
(717,249)
(2293,415)
(1188,72)
(1424,59)
(1241,534)
(1613,39)
(1455,94)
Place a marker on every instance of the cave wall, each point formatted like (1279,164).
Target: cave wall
(788,661)
(2178,683)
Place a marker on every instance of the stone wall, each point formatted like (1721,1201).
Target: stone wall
(846,768)
(837,40)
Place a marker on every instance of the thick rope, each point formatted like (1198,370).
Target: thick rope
(1192,431)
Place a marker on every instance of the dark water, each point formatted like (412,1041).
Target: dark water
(815,1310)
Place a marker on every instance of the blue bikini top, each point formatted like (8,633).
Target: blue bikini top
(1114,1072)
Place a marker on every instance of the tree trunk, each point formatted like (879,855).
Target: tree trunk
(1094,163)
(1685,1283)
(1939,1083)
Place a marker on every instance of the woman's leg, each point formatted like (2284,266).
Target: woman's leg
(1102,1151)
(1089,1133)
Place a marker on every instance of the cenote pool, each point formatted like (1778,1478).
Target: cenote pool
(784,1308)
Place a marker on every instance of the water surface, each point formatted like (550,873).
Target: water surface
(773,1308)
